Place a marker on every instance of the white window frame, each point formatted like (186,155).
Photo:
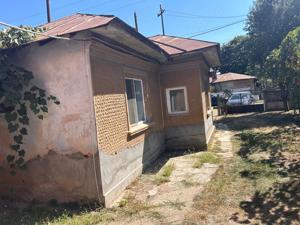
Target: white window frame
(140,122)
(185,100)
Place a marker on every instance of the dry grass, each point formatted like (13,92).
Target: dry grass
(262,177)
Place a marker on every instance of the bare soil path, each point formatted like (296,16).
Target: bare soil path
(169,202)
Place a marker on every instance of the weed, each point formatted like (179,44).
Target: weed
(168,169)
(164,175)
(206,157)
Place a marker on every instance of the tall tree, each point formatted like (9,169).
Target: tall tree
(269,22)
(235,55)
(283,66)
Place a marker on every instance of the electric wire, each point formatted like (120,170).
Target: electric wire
(217,28)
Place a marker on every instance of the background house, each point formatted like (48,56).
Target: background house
(124,99)
(233,82)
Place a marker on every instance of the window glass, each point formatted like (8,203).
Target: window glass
(135,101)
(235,97)
(139,100)
(176,100)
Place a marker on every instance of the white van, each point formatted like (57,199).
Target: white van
(241,98)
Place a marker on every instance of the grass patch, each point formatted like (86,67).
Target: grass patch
(260,179)
(178,205)
(36,214)
(164,175)
(129,208)
(85,218)
(206,157)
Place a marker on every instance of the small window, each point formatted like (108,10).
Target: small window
(177,100)
(235,97)
(135,101)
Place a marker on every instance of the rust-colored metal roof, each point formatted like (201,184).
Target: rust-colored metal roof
(177,45)
(75,23)
(163,46)
(232,76)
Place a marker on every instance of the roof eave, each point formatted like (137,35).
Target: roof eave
(200,52)
(215,82)
(141,37)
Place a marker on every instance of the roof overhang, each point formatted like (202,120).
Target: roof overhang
(211,55)
(224,81)
(120,34)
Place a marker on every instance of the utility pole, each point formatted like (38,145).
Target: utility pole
(161,15)
(135,22)
(48,11)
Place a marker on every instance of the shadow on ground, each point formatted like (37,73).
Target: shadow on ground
(12,213)
(165,157)
(241,122)
(280,147)
(279,205)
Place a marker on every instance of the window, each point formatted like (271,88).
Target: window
(177,100)
(135,101)
(235,97)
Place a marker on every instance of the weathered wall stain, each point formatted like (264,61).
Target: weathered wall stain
(61,148)
(54,176)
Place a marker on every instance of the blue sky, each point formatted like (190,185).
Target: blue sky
(181,16)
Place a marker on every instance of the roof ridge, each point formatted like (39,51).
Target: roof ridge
(73,15)
(91,14)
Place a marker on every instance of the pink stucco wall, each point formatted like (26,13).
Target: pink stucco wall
(67,134)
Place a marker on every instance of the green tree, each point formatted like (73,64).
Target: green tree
(19,95)
(235,55)
(283,66)
(269,22)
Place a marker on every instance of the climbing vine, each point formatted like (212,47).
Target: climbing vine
(19,96)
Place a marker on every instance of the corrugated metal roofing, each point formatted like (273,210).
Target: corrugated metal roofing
(168,45)
(232,76)
(177,45)
(75,23)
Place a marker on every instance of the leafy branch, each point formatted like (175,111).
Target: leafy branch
(19,97)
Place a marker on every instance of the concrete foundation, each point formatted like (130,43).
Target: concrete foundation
(183,137)
(119,170)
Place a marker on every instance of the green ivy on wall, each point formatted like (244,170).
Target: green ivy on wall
(19,96)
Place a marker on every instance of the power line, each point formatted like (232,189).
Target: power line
(195,16)
(40,13)
(125,6)
(202,17)
(94,6)
(33,32)
(87,8)
(217,28)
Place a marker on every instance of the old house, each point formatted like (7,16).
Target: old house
(233,82)
(124,99)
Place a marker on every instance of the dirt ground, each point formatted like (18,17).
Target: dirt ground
(173,200)
(249,175)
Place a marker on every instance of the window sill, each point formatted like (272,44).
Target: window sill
(138,129)
(179,114)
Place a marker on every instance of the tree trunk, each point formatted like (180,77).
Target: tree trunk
(285,97)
